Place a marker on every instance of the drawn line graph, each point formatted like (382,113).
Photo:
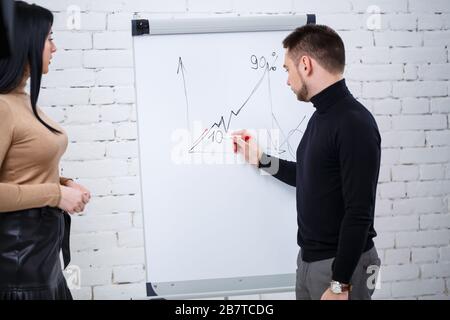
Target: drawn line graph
(216,131)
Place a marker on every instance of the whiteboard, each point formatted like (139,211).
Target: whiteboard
(214,225)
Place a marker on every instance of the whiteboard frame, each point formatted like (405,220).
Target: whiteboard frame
(223,287)
(221,25)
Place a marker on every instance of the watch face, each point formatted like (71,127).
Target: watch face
(336,288)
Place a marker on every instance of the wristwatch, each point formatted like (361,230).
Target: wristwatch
(337,288)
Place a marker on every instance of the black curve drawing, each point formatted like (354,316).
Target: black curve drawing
(227,124)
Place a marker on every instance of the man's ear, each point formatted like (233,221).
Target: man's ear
(305,65)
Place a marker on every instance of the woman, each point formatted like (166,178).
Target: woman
(34,200)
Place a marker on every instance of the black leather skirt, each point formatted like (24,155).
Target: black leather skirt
(30,246)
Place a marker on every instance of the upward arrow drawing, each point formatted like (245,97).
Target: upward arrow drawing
(182,69)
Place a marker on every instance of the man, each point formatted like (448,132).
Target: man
(335,174)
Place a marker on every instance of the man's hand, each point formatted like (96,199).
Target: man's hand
(246,144)
(329,295)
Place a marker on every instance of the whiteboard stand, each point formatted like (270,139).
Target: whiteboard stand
(201,287)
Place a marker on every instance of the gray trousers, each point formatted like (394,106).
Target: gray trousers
(314,278)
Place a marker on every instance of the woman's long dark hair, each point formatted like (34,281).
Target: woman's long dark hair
(32,25)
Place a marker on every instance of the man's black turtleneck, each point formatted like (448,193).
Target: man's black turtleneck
(335,175)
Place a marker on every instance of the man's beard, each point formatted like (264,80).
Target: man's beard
(302,94)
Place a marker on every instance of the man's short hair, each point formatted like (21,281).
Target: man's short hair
(319,42)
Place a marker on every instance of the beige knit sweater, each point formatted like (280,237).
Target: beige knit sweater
(29,156)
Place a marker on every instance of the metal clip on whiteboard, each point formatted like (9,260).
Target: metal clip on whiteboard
(310,19)
(140,27)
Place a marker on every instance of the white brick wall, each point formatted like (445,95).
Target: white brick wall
(401,72)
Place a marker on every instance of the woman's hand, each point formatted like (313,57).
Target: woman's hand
(74,197)
(86,192)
